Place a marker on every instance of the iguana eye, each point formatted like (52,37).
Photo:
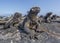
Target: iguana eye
(32,9)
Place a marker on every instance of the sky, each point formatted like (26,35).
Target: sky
(8,7)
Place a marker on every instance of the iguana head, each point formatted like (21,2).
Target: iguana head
(17,15)
(35,10)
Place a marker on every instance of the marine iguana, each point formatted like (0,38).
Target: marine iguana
(13,20)
(30,21)
(29,24)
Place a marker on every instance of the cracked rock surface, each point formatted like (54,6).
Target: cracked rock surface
(13,35)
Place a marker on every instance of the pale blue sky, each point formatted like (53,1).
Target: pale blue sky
(10,6)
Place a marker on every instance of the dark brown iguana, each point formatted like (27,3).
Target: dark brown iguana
(29,25)
(47,18)
(13,20)
(30,21)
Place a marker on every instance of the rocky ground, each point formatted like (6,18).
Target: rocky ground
(13,35)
